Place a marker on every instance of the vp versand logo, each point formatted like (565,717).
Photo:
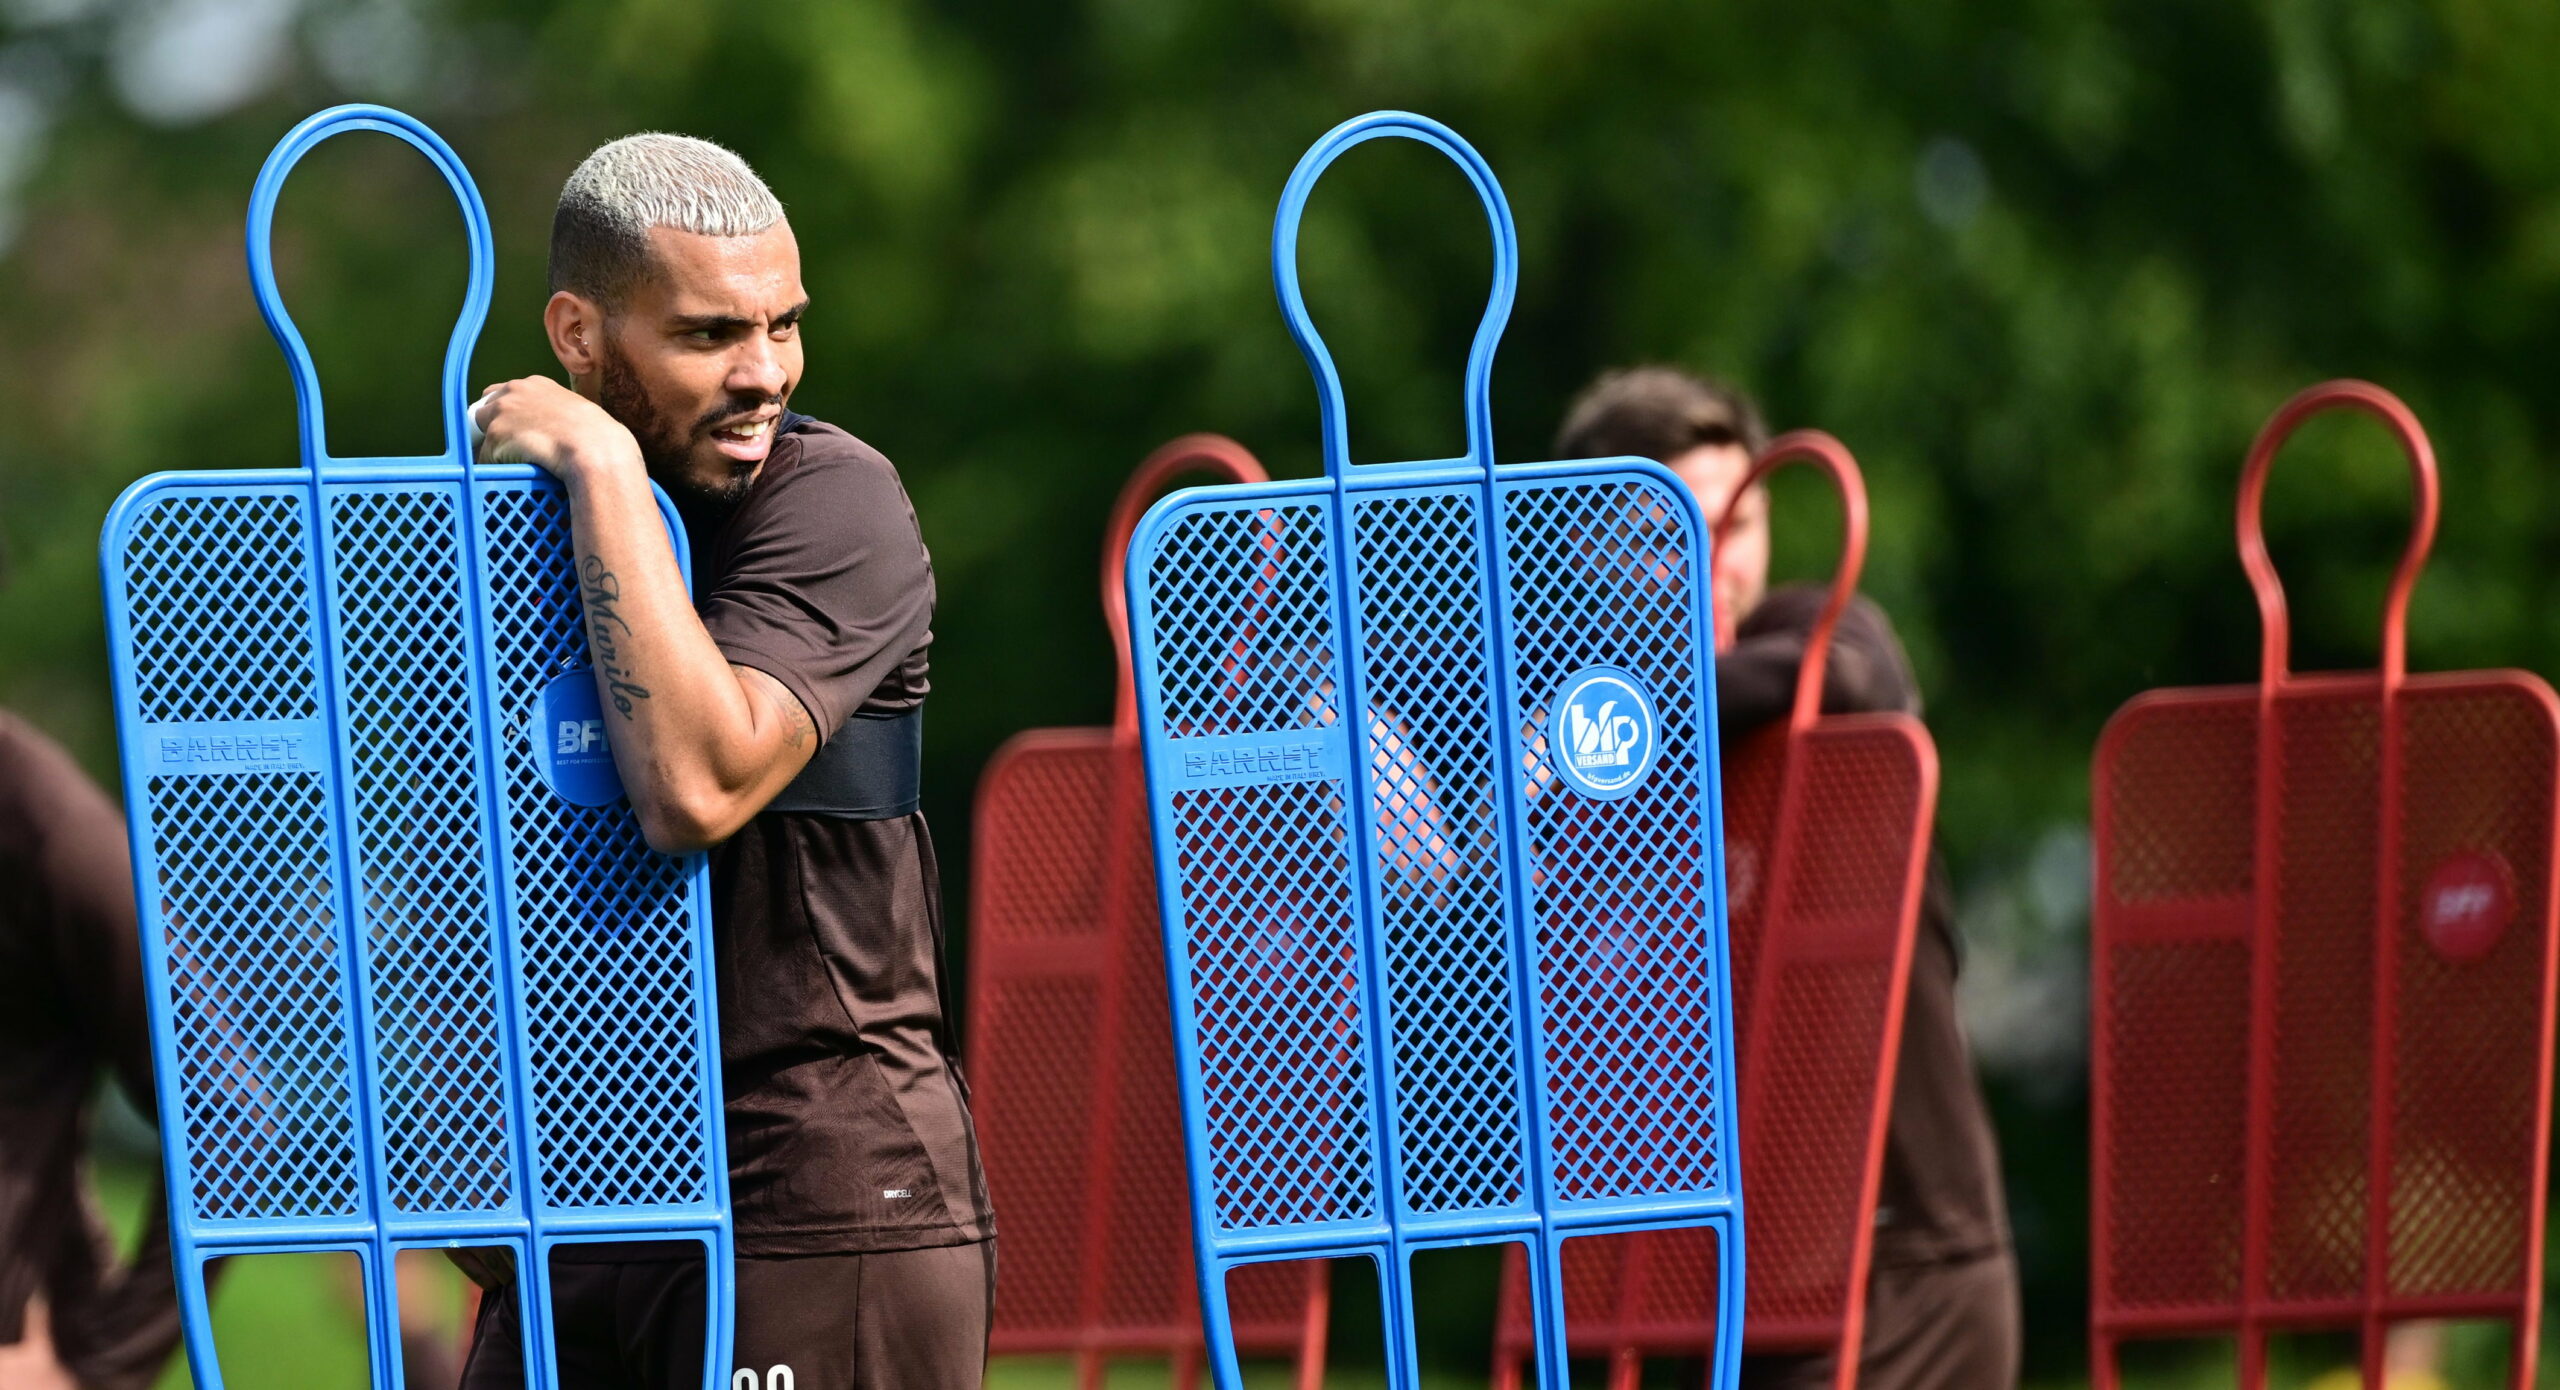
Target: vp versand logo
(568,737)
(1603,732)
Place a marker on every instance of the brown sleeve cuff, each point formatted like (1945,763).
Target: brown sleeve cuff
(802,689)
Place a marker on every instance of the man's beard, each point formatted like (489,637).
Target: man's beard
(667,449)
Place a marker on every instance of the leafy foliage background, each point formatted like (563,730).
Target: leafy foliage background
(2043,264)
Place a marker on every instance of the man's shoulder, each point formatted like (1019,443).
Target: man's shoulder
(1869,670)
(31,761)
(820,476)
(1796,607)
(42,788)
(824,448)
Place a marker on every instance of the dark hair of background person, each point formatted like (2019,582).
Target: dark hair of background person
(1658,413)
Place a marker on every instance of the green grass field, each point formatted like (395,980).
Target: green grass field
(291,1321)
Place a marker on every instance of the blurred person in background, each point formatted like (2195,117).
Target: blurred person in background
(71,1015)
(772,716)
(1942,1300)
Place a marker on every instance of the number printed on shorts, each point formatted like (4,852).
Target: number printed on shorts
(779,1378)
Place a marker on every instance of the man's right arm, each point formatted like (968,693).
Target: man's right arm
(701,744)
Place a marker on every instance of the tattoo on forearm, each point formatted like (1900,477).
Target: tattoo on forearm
(601,590)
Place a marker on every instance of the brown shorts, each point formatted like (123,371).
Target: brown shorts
(902,1320)
(1950,1326)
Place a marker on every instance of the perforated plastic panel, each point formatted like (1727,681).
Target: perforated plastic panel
(422,844)
(1071,1041)
(402,994)
(1826,840)
(2323,958)
(1431,760)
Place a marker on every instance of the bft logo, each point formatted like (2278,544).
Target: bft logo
(577,759)
(579,736)
(1603,733)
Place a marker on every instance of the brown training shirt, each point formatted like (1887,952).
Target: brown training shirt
(1941,1198)
(71,1007)
(849,1124)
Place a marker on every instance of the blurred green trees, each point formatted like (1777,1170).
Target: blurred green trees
(2043,264)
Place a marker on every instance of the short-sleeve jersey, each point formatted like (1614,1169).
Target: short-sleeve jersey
(848,1117)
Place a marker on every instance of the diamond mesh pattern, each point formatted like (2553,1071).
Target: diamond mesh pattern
(2176,1223)
(1813,1041)
(1799,1268)
(1753,772)
(1043,801)
(1040,1283)
(1064,898)
(2184,806)
(1141,1287)
(421,846)
(246,890)
(1594,1275)
(603,935)
(2172,921)
(239,648)
(1622,927)
(1244,622)
(1276,998)
(1435,795)
(1621,899)
(1812,1067)
(2175,913)
(2462,1174)
(1245,637)
(1148,1278)
(248,911)
(280,850)
(1035,1019)
(2323,1081)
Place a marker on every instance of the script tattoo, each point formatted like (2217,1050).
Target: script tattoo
(601,590)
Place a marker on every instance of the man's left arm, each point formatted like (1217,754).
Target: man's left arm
(701,744)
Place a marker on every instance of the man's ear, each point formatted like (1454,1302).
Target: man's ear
(575,325)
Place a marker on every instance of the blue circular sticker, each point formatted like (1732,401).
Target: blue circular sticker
(1602,734)
(568,737)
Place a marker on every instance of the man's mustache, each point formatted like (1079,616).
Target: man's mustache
(741,403)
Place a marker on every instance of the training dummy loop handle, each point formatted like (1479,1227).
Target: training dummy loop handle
(339,120)
(2274,659)
(1293,306)
(1212,455)
(1831,457)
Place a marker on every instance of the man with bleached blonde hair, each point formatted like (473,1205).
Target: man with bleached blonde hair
(772,717)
